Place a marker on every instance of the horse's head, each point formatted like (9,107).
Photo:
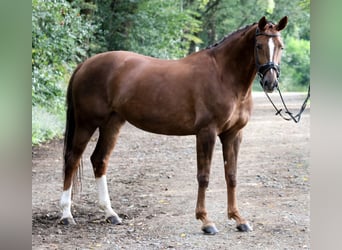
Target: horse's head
(268,48)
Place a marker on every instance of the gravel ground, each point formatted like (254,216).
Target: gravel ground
(153,187)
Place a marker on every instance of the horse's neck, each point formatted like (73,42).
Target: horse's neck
(237,61)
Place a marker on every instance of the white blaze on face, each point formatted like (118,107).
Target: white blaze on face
(271,48)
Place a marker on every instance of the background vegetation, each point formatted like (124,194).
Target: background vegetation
(65,32)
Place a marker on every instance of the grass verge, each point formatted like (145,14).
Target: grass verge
(46,125)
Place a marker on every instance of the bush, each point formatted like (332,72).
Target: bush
(61,38)
(295,73)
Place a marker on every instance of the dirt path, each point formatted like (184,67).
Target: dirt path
(152,184)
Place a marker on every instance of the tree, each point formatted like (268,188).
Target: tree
(163,29)
(116,18)
(151,27)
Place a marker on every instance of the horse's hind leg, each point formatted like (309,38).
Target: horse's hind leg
(109,132)
(72,162)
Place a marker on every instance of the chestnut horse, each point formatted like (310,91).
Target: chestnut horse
(206,94)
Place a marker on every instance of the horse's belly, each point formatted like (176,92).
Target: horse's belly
(157,126)
(159,119)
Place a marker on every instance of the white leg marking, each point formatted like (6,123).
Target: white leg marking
(65,204)
(271,48)
(104,200)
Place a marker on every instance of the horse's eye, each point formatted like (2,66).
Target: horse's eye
(259,46)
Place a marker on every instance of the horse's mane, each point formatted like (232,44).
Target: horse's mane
(229,36)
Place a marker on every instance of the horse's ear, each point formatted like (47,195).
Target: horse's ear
(282,23)
(262,23)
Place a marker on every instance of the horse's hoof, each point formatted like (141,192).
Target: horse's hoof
(210,230)
(67,221)
(244,227)
(114,220)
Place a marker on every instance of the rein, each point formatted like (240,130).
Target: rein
(290,116)
(262,69)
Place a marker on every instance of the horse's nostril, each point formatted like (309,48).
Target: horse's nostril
(276,83)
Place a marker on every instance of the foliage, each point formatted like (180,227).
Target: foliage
(221,17)
(157,28)
(61,37)
(116,18)
(296,60)
(162,29)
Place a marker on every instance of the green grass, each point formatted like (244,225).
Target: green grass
(46,125)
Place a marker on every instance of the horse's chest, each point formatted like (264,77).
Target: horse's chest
(238,117)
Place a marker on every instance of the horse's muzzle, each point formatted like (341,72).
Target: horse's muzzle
(269,83)
(269,74)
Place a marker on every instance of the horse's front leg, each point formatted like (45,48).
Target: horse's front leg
(205,141)
(230,147)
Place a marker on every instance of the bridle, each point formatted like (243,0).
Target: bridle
(262,70)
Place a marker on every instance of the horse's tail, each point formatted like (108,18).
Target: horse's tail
(70,126)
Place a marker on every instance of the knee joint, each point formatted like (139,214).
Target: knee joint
(203,180)
(232,180)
